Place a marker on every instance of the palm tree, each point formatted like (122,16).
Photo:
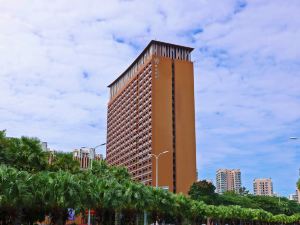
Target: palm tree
(3,148)
(26,154)
(14,192)
(197,212)
(64,161)
(135,199)
(27,197)
(182,209)
(63,191)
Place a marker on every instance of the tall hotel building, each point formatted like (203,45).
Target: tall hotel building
(228,180)
(151,110)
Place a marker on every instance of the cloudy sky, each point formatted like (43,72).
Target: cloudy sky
(58,56)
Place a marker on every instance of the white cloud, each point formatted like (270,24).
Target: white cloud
(58,57)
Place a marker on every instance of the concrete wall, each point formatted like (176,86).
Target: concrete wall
(162,125)
(185,126)
(162,121)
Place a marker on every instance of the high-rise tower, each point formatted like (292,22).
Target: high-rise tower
(228,180)
(263,186)
(151,110)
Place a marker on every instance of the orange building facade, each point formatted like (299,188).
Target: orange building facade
(151,110)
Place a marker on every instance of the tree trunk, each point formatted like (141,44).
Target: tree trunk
(208,222)
(145,218)
(60,221)
(111,217)
(117,217)
(18,218)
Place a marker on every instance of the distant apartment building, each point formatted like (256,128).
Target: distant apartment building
(44,146)
(263,186)
(294,197)
(84,155)
(228,180)
(50,152)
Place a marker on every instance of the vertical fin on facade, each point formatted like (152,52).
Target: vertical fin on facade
(174,126)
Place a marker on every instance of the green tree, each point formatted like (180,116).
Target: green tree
(203,191)
(232,198)
(32,190)
(64,161)
(63,190)
(243,191)
(4,148)
(14,194)
(202,188)
(22,153)
(198,212)
(275,205)
(27,197)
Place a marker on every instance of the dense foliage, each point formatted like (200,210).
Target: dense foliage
(202,191)
(29,192)
(29,197)
(64,161)
(26,154)
(22,153)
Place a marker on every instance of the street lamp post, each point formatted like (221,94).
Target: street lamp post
(294,138)
(91,157)
(156,160)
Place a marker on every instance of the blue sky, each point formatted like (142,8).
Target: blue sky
(57,59)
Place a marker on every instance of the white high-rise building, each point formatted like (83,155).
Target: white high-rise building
(84,155)
(228,180)
(44,146)
(294,197)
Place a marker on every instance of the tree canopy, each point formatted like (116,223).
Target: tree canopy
(204,191)
(271,204)
(33,190)
(29,197)
(22,153)
(64,161)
